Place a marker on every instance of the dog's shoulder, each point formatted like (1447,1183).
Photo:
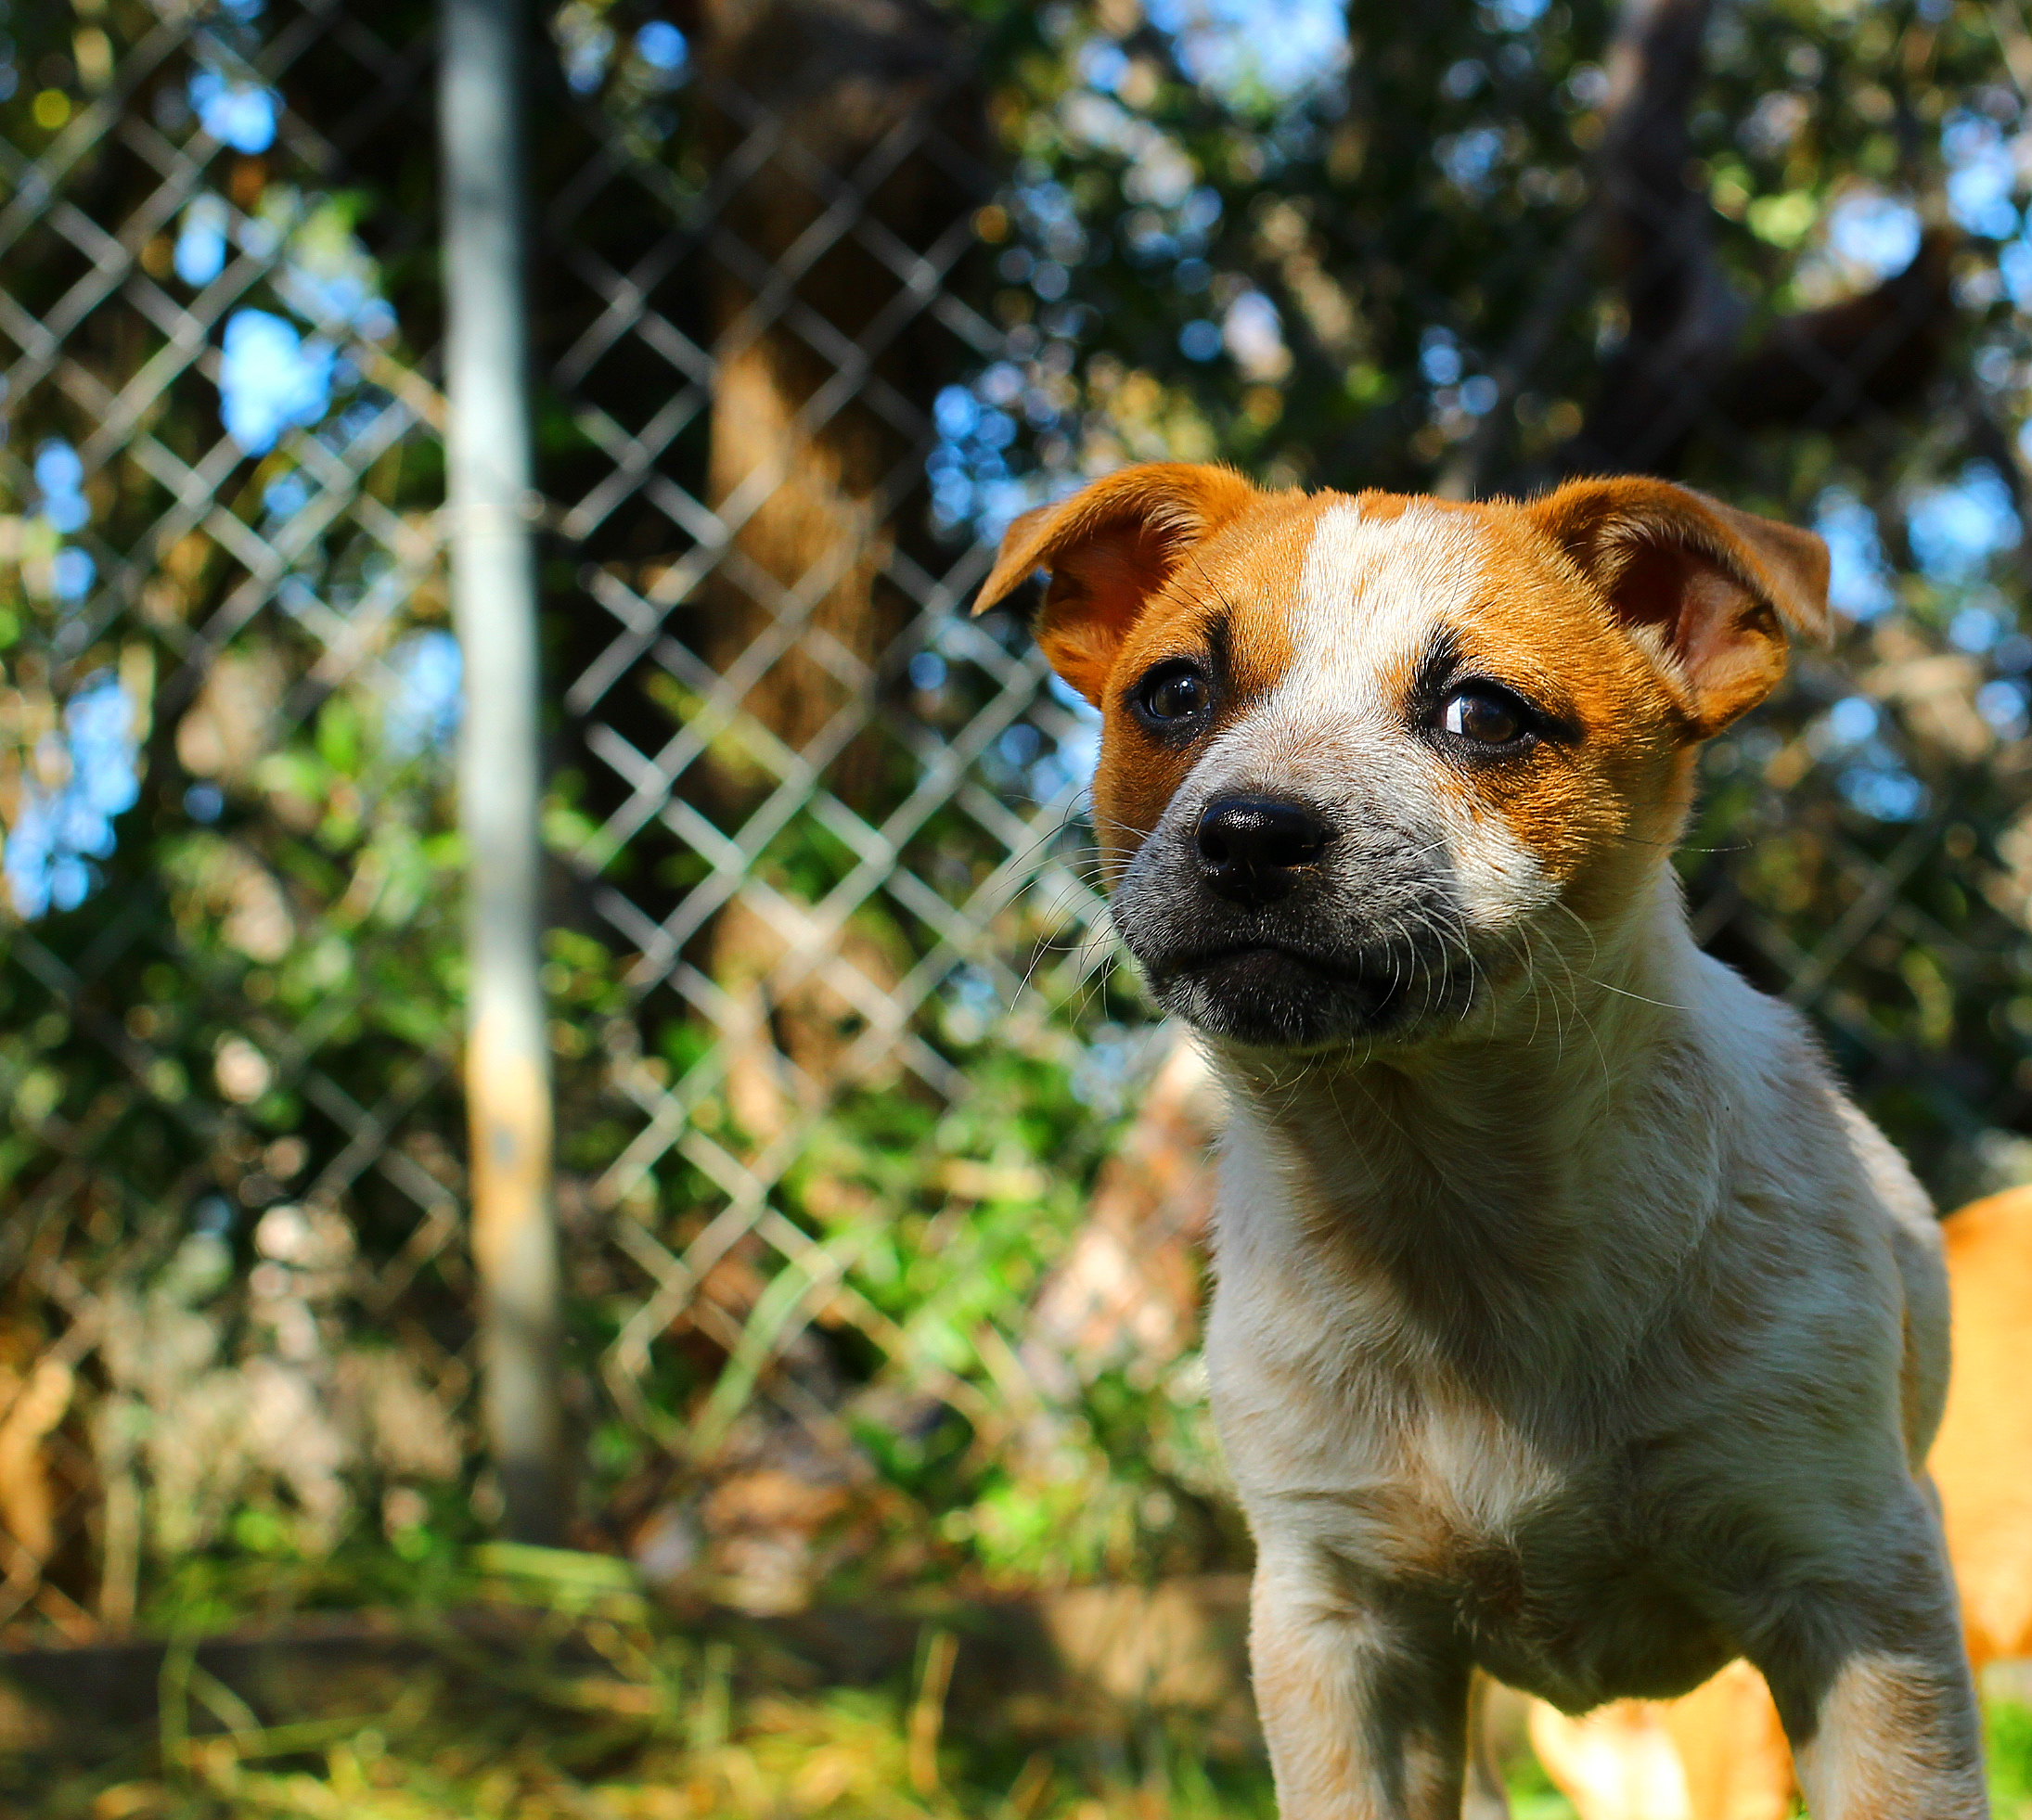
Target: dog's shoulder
(1823,1198)
(1788,1108)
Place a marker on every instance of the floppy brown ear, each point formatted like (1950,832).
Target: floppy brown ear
(1109,547)
(1710,590)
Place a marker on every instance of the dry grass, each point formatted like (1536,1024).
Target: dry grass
(605,1721)
(652,1728)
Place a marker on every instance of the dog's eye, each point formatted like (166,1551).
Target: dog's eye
(1172,694)
(1484,715)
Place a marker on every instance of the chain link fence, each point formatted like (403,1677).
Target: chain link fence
(840,1037)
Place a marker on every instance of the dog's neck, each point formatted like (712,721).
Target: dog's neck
(1475,1172)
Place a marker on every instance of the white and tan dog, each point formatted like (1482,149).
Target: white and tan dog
(1570,1324)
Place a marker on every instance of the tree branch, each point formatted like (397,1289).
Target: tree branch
(1679,363)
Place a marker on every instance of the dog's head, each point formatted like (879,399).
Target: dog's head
(1363,753)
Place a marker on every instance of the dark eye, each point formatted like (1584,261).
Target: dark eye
(1172,694)
(1486,715)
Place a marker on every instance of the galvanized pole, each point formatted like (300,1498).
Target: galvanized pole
(493,598)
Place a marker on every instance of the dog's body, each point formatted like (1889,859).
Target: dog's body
(1570,1325)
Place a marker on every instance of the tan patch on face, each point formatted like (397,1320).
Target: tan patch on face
(1095,594)
(1593,803)
(1229,599)
(1708,589)
(1380,507)
(1388,582)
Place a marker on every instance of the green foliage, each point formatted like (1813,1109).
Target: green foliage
(538,1717)
(2008,1744)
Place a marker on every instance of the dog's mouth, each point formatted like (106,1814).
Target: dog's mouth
(1282,995)
(1239,958)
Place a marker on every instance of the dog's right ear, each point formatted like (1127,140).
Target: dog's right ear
(1109,547)
(1709,592)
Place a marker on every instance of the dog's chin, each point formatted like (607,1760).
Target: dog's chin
(1265,996)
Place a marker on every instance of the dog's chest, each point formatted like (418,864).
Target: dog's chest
(1350,1437)
(1329,1401)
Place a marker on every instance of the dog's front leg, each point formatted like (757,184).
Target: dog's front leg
(1874,1689)
(1893,1736)
(1363,1698)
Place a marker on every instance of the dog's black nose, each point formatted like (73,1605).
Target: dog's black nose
(1252,847)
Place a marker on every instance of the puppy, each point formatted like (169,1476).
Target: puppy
(1570,1324)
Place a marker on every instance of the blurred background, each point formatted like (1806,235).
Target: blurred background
(888,1481)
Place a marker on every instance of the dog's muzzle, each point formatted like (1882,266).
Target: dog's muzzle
(1272,922)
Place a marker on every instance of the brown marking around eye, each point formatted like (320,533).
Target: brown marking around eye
(1231,596)
(1594,797)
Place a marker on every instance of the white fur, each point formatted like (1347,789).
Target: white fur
(1370,592)
(1859,1764)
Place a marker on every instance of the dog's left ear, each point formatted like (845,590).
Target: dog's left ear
(1109,547)
(1707,590)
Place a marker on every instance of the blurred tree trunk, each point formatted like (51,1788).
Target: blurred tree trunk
(823,110)
(809,281)
(1126,1292)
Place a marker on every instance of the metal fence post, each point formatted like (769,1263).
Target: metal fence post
(494,594)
